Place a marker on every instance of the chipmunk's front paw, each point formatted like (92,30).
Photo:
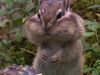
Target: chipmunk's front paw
(56,58)
(44,56)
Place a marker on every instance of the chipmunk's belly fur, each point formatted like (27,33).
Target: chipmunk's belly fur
(71,63)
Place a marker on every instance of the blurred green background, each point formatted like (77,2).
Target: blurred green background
(16,49)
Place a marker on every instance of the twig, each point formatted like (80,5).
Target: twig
(26,51)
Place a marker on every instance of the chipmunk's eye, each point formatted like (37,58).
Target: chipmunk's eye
(60,14)
(38,15)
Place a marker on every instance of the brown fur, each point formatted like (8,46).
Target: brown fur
(60,51)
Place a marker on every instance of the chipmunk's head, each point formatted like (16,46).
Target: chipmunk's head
(52,9)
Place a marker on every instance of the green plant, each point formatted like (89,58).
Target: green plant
(92,48)
(14,48)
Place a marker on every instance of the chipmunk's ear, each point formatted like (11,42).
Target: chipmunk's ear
(66,4)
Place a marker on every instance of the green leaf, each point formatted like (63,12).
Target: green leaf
(94,7)
(89,34)
(19,35)
(29,7)
(13,10)
(92,25)
(2,12)
(95,72)
(4,23)
(88,69)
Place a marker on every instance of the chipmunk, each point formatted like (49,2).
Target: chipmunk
(57,31)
